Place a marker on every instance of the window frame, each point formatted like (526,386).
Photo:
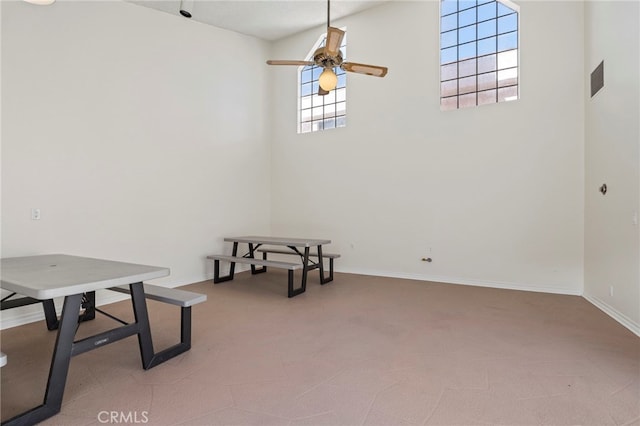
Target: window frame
(336,98)
(501,92)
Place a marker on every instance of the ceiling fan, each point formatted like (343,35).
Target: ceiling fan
(329,57)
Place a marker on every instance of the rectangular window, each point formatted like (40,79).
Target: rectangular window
(319,112)
(478,52)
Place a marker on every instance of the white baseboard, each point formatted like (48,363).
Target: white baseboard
(633,326)
(465,281)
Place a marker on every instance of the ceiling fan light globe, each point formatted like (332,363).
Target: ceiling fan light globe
(328,80)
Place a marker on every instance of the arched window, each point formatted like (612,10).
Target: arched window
(317,112)
(478,52)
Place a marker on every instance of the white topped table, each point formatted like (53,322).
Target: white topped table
(59,275)
(279,241)
(254,242)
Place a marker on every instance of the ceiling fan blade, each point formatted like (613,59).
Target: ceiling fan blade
(322,92)
(278,62)
(334,40)
(364,69)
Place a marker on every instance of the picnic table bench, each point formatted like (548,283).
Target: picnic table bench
(297,246)
(174,296)
(45,277)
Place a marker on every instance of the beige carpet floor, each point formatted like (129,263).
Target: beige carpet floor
(359,351)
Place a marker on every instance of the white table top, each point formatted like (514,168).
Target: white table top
(55,275)
(279,241)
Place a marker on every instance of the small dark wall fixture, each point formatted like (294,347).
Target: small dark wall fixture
(603,189)
(186,7)
(597,79)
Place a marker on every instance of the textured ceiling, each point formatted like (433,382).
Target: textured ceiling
(265,19)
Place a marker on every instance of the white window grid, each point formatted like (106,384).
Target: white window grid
(479,52)
(315,112)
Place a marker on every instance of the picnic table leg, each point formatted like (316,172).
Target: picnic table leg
(88,304)
(59,369)
(141,316)
(255,270)
(50,314)
(216,268)
(305,269)
(323,279)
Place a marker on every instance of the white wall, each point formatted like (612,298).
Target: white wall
(612,156)
(145,137)
(140,135)
(493,194)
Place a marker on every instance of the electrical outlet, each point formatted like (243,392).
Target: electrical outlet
(35,214)
(611,291)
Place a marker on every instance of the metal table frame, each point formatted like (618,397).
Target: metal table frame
(255,242)
(67,347)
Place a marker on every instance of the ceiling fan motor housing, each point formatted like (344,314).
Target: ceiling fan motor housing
(326,61)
